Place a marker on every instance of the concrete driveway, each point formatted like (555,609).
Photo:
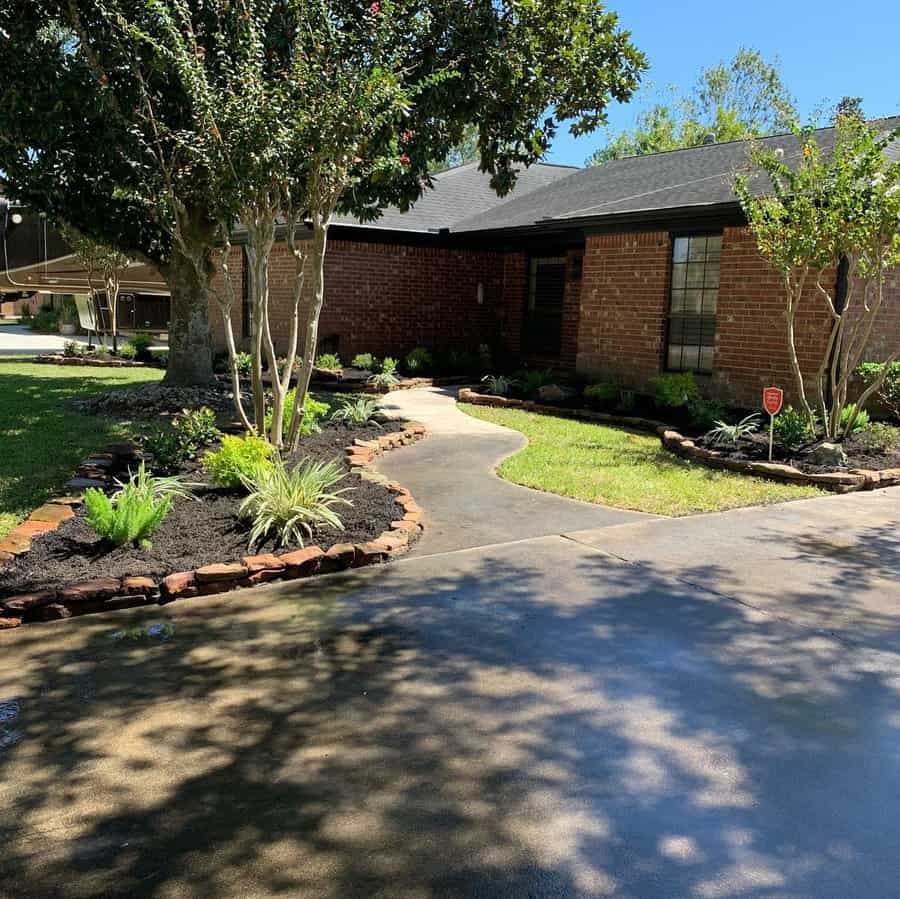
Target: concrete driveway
(704,707)
(16,340)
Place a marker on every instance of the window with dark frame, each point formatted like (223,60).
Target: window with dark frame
(693,298)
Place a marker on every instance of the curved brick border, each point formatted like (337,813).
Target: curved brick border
(59,359)
(104,594)
(837,481)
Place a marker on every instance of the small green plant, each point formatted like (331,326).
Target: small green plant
(292,502)
(128,351)
(880,438)
(196,427)
(355,411)
(889,392)
(244,363)
(313,413)
(135,511)
(153,486)
(498,385)
(861,421)
(47,319)
(166,449)
(675,391)
(72,348)
(237,459)
(730,435)
(792,428)
(141,344)
(705,413)
(532,381)
(386,376)
(329,361)
(365,361)
(419,362)
(601,396)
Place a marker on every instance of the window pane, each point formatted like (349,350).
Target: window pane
(679,274)
(698,249)
(677,304)
(674,359)
(711,278)
(695,274)
(680,249)
(706,358)
(710,298)
(693,301)
(714,246)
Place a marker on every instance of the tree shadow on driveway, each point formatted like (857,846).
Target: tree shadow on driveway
(536,720)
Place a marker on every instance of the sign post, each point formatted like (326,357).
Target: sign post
(773,397)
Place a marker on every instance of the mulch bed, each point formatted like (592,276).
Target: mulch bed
(199,533)
(756,449)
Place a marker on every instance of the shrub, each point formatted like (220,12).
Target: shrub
(725,433)
(292,502)
(128,351)
(72,348)
(675,391)
(365,361)
(196,427)
(862,419)
(456,362)
(419,362)
(166,449)
(328,360)
(141,344)
(705,413)
(237,459)
(244,363)
(313,413)
(532,381)
(879,437)
(135,512)
(386,375)
(792,428)
(161,360)
(47,319)
(601,396)
(355,411)
(498,385)
(387,366)
(889,393)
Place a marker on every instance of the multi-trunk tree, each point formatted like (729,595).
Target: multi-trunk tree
(829,207)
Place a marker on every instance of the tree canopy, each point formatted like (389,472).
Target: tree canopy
(730,101)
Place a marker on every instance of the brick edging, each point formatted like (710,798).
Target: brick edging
(112,593)
(59,359)
(836,481)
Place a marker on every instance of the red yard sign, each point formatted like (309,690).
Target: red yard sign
(773,397)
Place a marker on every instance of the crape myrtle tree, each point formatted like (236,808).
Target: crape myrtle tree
(809,213)
(104,264)
(318,108)
(78,144)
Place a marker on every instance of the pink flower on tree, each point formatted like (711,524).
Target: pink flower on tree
(375,8)
(404,160)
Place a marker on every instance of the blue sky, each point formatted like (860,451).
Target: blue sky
(827,49)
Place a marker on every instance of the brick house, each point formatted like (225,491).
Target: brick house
(637,267)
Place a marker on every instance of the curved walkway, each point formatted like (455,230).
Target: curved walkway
(451,474)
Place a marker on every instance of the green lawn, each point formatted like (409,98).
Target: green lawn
(622,468)
(42,439)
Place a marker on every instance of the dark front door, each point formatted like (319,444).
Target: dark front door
(543,314)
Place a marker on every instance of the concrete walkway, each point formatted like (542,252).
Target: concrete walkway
(451,474)
(17,340)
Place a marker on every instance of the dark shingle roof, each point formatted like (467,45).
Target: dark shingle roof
(457,194)
(694,177)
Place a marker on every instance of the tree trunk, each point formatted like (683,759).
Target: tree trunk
(190,338)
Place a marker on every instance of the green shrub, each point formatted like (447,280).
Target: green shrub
(244,363)
(387,366)
(498,385)
(880,438)
(45,320)
(328,360)
(601,396)
(133,513)
(128,351)
(532,381)
(165,448)
(365,361)
(141,344)
(792,428)
(356,411)
(313,413)
(386,376)
(706,413)
(419,362)
(196,427)
(862,419)
(291,502)
(675,391)
(889,392)
(237,459)
(456,362)
(72,348)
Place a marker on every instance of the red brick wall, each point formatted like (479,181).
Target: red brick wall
(387,299)
(624,297)
(515,286)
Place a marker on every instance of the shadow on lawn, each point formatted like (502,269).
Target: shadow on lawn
(489,731)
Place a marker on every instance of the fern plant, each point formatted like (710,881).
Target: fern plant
(135,511)
(724,433)
(355,411)
(291,502)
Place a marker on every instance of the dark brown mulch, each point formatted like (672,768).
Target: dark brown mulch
(199,533)
(756,449)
